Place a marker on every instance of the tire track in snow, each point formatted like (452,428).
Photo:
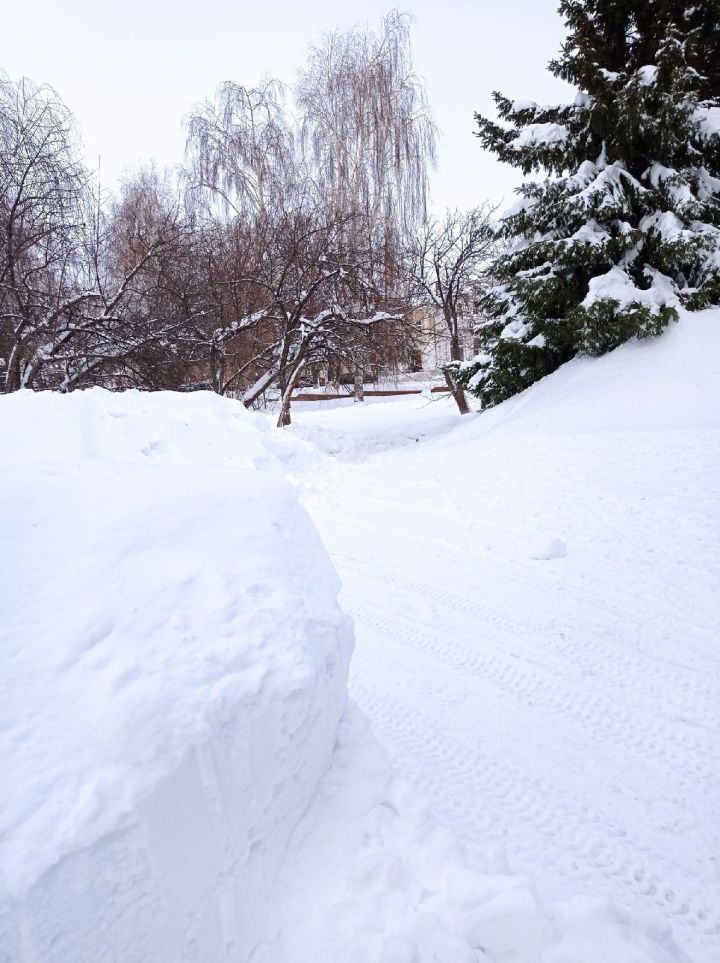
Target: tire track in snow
(567,711)
(581,648)
(558,638)
(567,835)
(572,699)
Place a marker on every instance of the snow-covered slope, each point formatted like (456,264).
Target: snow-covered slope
(656,384)
(173,674)
(536,597)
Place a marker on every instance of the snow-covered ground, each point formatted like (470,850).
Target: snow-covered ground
(182,778)
(536,602)
(537,610)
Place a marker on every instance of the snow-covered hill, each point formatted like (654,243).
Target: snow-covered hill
(536,597)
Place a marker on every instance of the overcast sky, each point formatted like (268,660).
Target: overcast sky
(131,70)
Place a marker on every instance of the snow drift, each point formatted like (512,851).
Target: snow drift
(537,642)
(174,671)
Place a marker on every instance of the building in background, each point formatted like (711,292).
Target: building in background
(432,350)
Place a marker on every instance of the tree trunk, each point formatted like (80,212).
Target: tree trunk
(216,373)
(13,377)
(457,393)
(359,388)
(284,418)
(455,353)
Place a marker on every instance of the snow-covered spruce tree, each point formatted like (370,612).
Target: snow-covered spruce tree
(625,227)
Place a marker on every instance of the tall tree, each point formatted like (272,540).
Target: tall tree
(366,126)
(626,226)
(369,139)
(241,150)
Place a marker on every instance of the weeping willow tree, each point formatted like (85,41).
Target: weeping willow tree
(363,144)
(368,138)
(354,154)
(241,150)
(366,128)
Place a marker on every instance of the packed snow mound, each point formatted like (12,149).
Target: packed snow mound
(376,425)
(164,427)
(174,671)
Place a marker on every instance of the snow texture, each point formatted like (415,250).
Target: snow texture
(708,119)
(616,285)
(539,135)
(536,599)
(174,666)
(370,877)
(535,596)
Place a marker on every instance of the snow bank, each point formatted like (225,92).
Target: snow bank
(660,383)
(174,669)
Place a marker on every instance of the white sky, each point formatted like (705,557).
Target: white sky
(131,70)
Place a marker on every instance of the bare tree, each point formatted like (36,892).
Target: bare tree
(369,138)
(240,150)
(44,196)
(447,263)
(136,331)
(366,125)
(315,300)
(63,298)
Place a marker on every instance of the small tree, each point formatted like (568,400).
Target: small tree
(447,265)
(136,332)
(316,304)
(627,225)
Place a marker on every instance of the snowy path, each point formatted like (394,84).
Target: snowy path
(537,613)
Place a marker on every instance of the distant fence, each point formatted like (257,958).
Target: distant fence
(367,393)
